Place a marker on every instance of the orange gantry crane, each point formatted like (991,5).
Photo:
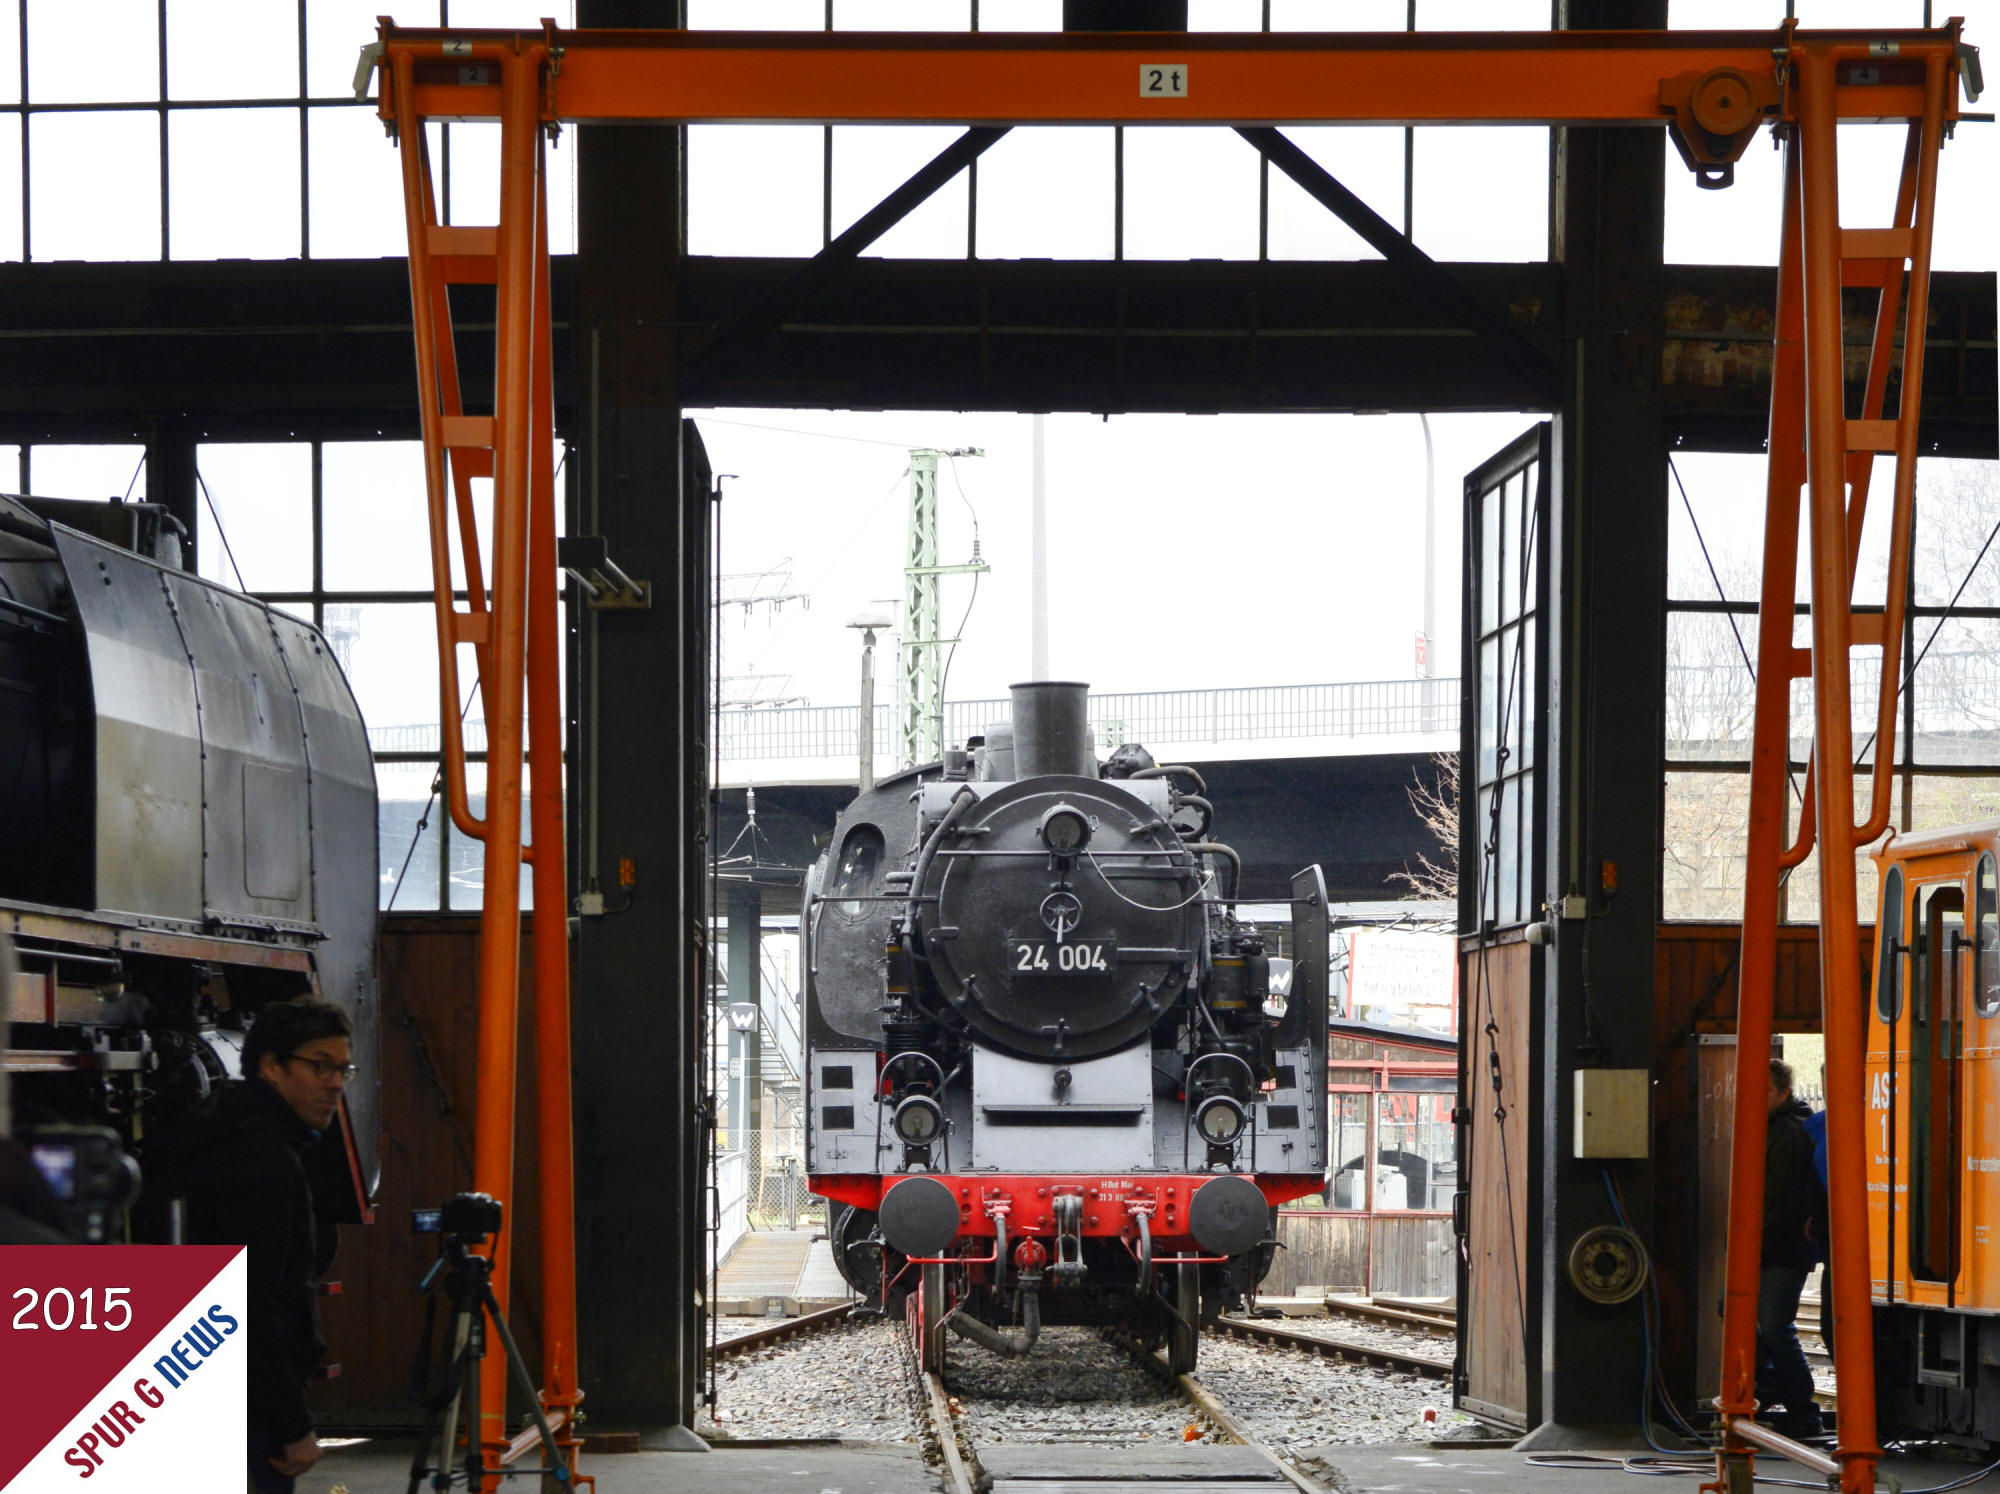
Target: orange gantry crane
(1712,90)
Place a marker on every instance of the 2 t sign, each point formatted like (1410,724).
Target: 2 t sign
(1163,80)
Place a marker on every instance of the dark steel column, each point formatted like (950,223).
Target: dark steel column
(1609,560)
(171,481)
(639,987)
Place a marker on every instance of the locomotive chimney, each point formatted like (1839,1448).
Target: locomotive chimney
(1052,729)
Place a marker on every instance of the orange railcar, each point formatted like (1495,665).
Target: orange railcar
(1933,1126)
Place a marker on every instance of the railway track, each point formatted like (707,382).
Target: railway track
(1440,1324)
(787,1328)
(1252,1331)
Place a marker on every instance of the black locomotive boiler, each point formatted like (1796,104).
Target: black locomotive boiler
(187,829)
(1051,1076)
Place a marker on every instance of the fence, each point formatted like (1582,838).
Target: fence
(1256,713)
(731,1201)
(771,1182)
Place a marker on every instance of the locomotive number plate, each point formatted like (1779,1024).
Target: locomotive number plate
(1074,957)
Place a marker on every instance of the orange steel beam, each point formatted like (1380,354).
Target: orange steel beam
(1579,78)
(1814,444)
(1713,90)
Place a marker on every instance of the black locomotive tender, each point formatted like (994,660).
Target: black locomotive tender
(188,807)
(1052,1074)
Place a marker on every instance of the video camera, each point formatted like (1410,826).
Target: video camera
(89,1172)
(466,1219)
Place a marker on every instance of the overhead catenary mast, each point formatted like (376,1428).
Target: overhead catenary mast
(922,693)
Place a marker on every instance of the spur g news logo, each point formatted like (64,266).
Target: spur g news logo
(122,1367)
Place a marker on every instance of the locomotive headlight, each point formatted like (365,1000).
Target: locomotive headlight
(1065,831)
(918,1120)
(1220,1120)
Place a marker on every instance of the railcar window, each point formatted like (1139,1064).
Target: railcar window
(1888,946)
(1986,939)
(1935,1018)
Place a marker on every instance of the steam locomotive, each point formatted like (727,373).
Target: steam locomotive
(188,802)
(1053,1076)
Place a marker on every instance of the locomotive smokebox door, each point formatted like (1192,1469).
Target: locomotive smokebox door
(1067,916)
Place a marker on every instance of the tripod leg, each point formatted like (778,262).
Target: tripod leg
(552,1460)
(475,1450)
(461,1329)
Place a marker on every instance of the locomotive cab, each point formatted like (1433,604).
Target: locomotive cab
(1933,1132)
(1047,1078)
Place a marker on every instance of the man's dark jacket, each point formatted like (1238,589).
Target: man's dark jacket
(236,1163)
(1792,1190)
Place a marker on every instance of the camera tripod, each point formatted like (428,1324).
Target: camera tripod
(469,1287)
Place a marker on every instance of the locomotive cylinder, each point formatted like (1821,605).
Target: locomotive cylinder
(1052,730)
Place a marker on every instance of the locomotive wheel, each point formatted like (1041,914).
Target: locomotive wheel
(930,1320)
(1184,1323)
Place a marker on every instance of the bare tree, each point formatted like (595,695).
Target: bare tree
(1435,799)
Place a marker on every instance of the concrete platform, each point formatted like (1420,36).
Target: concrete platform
(382,1467)
(783,1272)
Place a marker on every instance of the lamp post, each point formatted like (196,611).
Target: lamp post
(868,622)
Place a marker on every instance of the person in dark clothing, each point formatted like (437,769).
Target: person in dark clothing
(1792,1194)
(236,1164)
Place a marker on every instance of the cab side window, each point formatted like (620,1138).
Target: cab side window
(1986,938)
(1888,945)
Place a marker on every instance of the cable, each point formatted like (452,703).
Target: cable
(1207,878)
(220,533)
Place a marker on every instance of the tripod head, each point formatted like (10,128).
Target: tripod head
(465,1220)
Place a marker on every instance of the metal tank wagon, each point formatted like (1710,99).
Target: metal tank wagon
(1053,1076)
(188,807)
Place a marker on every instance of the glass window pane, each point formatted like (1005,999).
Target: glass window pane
(1020,15)
(233,183)
(1958,511)
(232,49)
(389,650)
(406,857)
(261,496)
(1492,562)
(467,882)
(1354,15)
(1190,194)
(474,152)
(755,189)
(375,535)
(1802,889)
(1482,192)
(1489,707)
(105,52)
(356,192)
(1483,15)
(870,162)
(337,30)
(1711,693)
(1524,744)
(1957,690)
(1367,161)
(756,15)
(95,186)
(902,15)
(1046,193)
(1725,491)
(10,187)
(10,51)
(507,13)
(1510,889)
(1736,227)
(87,472)
(1701,864)
(1225,15)
(1509,586)
(1937,802)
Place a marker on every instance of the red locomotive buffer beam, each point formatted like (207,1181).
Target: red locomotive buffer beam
(1712,90)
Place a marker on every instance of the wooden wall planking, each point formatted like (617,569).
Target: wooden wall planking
(1694,992)
(1496,1315)
(429,978)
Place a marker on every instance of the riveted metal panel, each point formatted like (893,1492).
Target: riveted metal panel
(149,784)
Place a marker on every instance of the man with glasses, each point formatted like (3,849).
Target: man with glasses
(236,1163)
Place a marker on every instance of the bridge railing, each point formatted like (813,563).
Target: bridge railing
(1254,713)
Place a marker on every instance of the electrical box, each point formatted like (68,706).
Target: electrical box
(1613,1113)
